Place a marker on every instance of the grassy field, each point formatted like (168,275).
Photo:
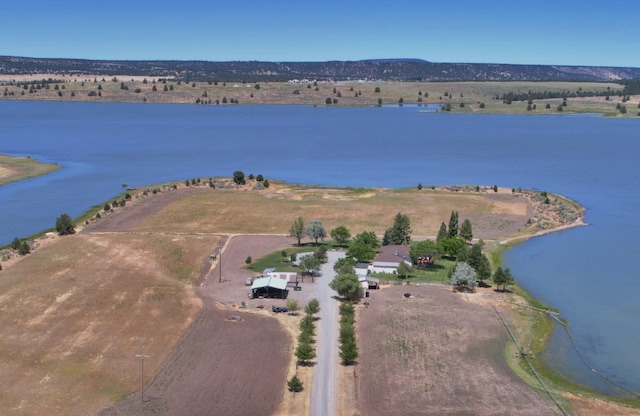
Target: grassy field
(463,97)
(13,169)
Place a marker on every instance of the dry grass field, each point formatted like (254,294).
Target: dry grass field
(464,97)
(78,309)
(436,353)
(273,210)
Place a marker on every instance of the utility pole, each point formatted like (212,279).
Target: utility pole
(220,263)
(142,357)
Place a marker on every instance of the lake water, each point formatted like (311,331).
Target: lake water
(591,274)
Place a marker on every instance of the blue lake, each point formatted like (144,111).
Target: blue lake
(591,274)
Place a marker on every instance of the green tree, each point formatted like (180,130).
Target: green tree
(315,229)
(15,244)
(502,277)
(295,385)
(345,265)
(24,248)
(464,277)
(404,270)
(400,231)
(313,307)
(348,351)
(466,231)
(425,248)
(238,177)
(451,246)
(64,225)
(453,225)
(346,285)
(360,251)
(341,235)
(297,229)
(442,233)
(310,264)
(293,306)
(305,352)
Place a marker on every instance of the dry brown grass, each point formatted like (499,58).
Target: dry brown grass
(273,210)
(75,313)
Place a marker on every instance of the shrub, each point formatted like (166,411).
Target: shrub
(295,385)
(248,260)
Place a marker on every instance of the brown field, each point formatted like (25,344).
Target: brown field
(271,211)
(139,281)
(347,93)
(436,353)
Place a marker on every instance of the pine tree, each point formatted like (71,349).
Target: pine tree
(453,225)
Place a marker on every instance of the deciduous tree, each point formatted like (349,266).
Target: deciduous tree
(315,229)
(464,276)
(341,235)
(297,229)
(346,285)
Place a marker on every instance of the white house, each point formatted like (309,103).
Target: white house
(389,258)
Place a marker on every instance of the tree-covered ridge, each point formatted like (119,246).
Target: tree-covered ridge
(378,69)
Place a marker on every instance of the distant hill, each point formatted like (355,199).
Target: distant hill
(373,69)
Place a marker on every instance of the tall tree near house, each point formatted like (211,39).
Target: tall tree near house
(442,233)
(315,229)
(453,224)
(297,229)
(400,231)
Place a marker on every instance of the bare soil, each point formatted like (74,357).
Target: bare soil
(436,353)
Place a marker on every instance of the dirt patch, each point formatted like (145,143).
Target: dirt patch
(220,367)
(436,353)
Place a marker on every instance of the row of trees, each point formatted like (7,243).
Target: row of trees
(348,347)
(305,351)
(464,276)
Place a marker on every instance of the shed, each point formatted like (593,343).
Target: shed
(269,287)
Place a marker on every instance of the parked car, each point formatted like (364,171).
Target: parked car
(279,309)
(248,281)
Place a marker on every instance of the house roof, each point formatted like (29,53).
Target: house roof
(392,254)
(269,281)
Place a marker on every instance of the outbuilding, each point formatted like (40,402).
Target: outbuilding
(269,287)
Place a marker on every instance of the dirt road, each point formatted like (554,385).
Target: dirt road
(325,375)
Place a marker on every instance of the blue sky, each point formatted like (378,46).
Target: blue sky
(559,32)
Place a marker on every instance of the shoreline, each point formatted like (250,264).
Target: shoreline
(17,168)
(48,239)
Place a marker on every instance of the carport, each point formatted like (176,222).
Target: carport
(269,287)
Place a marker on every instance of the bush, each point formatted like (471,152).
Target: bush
(248,260)
(295,385)
(64,225)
